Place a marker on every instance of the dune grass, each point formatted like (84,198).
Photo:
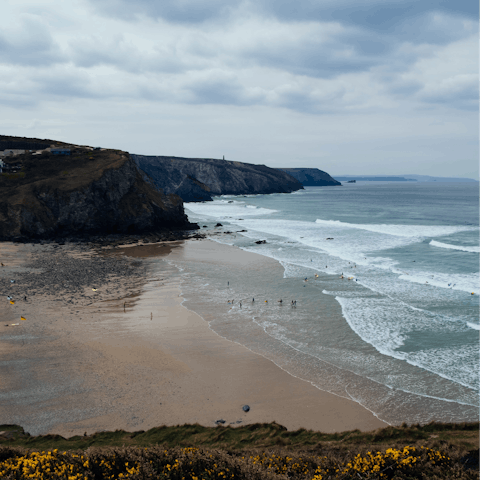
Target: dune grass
(256,435)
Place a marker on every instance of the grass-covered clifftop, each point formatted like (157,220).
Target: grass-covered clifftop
(259,451)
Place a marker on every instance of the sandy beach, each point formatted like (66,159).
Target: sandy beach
(107,344)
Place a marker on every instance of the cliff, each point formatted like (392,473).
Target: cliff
(198,179)
(90,192)
(311,177)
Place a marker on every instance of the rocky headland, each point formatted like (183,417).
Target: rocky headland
(198,179)
(52,190)
(311,177)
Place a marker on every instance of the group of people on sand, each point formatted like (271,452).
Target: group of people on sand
(230,302)
(293,302)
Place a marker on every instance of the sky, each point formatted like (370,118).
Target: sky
(350,87)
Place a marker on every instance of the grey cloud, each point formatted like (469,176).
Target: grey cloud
(301,102)
(29,44)
(181,11)
(69,86)
(59,83)
(17,100)
(218,88)
(94,52)
(393,17)
(460,92)
(370,34)
(379,15)
(304,99)
(316,57)
(404,88)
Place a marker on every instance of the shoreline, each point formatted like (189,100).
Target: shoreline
(153,362)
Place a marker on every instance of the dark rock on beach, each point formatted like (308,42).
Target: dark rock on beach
(54,271)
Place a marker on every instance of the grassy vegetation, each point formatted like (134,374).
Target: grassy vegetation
(264,435)
(82,167)
(443,451)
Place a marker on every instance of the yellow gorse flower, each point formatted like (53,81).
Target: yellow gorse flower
(195,464)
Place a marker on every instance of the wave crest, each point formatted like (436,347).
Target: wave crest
(399,230)
(455,247)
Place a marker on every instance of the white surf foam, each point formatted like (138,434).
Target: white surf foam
(455,247)
(344,245)
(387,328)
(399,230)
(222,209)
(355,248)
(464,282)
(475,326)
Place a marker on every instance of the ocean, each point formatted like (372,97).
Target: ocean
(399,333)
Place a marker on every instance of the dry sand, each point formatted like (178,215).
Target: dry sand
(130,356)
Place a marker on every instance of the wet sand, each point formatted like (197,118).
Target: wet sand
(130,356)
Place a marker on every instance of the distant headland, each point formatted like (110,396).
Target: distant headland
(311,177)
(198,179)
(401,178)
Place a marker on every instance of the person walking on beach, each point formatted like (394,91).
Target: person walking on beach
(253,300)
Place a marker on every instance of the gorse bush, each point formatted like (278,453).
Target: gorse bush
(192,463)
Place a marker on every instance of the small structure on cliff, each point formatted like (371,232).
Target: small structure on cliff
(60,151)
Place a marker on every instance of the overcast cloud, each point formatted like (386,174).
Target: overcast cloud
(365,87)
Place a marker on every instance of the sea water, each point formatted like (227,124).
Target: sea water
(399,333)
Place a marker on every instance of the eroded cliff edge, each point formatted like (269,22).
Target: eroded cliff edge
(87,192)
(197,179)
(312,177)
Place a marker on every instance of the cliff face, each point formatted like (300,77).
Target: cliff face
(89,192)
(311,177)
(197,179)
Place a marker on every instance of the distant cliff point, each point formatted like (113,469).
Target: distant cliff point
(198,179)
(311,177)
(75,190)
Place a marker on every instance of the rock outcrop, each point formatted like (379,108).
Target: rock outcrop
(311,177)
(198,179)
(90,192)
